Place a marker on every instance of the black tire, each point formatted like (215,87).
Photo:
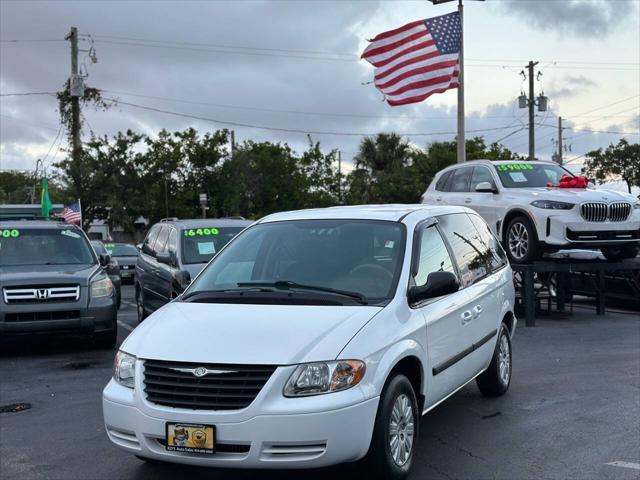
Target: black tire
(107,340)
(525,250)
(492,383)
(621,252)
(379,462)
(142,314)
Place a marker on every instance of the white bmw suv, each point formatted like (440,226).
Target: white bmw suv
(531,218)
(318,337)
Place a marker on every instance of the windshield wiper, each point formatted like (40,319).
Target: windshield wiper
(224,290)
(287,284)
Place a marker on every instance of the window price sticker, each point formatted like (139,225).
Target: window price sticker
(200,232)
(10,233)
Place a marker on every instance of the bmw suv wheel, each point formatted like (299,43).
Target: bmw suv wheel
(521,242)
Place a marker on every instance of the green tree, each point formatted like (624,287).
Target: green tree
(380,174)
(622,160)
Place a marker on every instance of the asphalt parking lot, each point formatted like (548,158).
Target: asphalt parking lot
(573,411)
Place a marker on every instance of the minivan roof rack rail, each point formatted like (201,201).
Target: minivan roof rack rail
(169,219)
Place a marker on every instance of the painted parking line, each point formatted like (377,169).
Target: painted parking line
(125,326)
(633,466)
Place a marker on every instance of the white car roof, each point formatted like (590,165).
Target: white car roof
(497,162)
(393,213)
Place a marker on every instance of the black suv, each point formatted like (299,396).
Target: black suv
(52,281)
(175,251)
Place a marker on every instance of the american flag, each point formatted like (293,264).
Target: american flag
(72,214)
(417,60)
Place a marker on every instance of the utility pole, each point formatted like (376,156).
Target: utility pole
(75,97)
(233,143)
(532,115)
(559,160)
(339,177)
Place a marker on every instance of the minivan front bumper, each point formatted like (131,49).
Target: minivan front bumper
(294,440)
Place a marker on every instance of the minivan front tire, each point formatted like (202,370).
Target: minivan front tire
(395,433)
(495,380)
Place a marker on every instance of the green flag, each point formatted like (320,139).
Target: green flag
(45,201)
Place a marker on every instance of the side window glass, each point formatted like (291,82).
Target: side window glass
(162,240)
(468,250)
(461,179)
(442,181)
(147,246)
(481,174)
(433,256)
(172,243)
(498,257)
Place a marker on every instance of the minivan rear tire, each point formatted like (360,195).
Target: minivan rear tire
(492,382)
(379,462)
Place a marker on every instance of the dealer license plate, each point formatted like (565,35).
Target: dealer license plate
(190,437)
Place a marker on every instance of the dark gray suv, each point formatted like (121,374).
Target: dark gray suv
(175,251)
(51,281)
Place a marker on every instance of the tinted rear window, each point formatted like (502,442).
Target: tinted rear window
(199,245)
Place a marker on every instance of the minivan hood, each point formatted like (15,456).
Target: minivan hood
(574,195)
(47,274)
(247,334)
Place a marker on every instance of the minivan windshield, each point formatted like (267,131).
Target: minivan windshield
(199,245)
(362,258)
(530,175)
(43,246)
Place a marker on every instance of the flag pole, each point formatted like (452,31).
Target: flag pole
(80,207)
(461,144)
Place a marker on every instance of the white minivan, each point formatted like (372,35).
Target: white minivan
(318,337)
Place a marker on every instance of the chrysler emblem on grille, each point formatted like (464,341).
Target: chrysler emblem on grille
(201,371)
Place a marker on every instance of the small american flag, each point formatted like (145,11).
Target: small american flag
(417,60)
(71,214)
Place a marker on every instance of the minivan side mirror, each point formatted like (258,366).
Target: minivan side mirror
(164,257)
(485,187)
(104,260)
(438,284)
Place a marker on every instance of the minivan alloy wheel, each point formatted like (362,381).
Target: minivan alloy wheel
(504,360)
(518,240)
(401,430)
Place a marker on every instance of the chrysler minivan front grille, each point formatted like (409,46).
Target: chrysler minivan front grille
(601,212)
(199,386)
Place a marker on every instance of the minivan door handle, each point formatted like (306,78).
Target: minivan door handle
(467,316)
(477,310)
(467,200)
(438,199)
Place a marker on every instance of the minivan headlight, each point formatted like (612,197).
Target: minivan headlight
(101,287)
(124,369)
(552,205)
(324,377)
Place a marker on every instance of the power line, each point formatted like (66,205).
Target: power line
(30,40)
(295,112)
(24,94)
(288,130)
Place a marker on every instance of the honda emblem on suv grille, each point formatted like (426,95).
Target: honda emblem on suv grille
(42,293)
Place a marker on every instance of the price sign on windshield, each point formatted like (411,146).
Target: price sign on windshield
(510,167)
(10,233)
(200,232)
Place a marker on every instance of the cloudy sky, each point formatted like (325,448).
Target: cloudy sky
(294,65)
